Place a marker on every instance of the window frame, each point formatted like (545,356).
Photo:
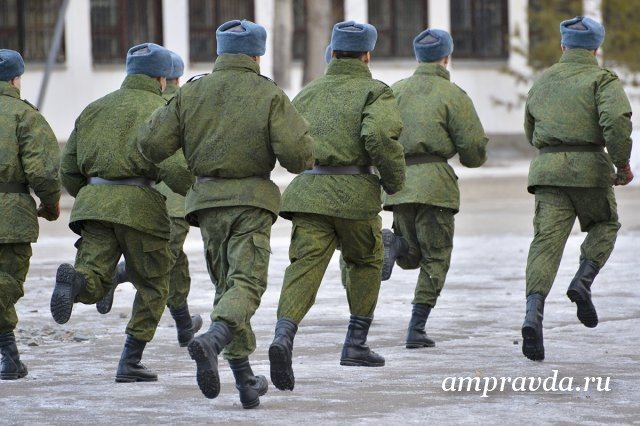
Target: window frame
(394,29)
(19,30)
(121,31)
(474,33)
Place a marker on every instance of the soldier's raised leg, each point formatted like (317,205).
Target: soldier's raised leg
(310,252)
(552,224)
(597,212)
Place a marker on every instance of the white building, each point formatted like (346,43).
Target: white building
(97,34)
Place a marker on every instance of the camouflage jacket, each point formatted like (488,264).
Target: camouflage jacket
(575,102)
(175,202)
(29,155)
(232,125)
(354,122)
(439,119)
(103,145)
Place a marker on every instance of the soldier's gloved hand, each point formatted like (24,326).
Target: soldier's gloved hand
(624,175)
(384,187)
(49,212)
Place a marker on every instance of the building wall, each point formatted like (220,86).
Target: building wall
(78,81)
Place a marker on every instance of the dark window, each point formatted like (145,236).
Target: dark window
(28,25)
(117,25)
(622,34)
(205,16)
(398,23)
(544,18)
(480,29)
(299,25)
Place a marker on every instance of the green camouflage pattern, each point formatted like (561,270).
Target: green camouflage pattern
(439,119)
(314,239)
(232,125)
(148,261)
(14,265)
(175,202)
(575,102)
(237,251)
(556,212)
(102,144)
(354,122)
(429,232)
(179,278)
(29,154)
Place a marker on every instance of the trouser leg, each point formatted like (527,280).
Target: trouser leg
(552,223)
(313,242)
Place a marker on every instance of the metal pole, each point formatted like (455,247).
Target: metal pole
(53,52)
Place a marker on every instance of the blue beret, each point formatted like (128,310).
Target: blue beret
(241,37)
(177,66)
(581,33)
(432,44)
(11,64)
(327,54)
(352,36)
(150,59)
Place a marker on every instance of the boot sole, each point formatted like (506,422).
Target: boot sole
(418,345)
(132,379)
(530,347)
(13,376)
(360,363)
(281,371)
(104,305)
(62,297)
(586,311)
(207,377)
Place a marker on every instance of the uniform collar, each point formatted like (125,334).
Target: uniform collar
(7,89)
(431,68)
(348,66)
(236,61)
(142,82)
(580,56)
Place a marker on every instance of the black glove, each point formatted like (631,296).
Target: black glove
(49,212)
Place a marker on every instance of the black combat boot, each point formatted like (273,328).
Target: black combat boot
(532,341)
(579,292)
(251,387)
(129,368)
(120,276)
(204,350)
(416,334)
(280,354)
(355,351)
(11,368)
(394,247)
(186,325)
(69,284)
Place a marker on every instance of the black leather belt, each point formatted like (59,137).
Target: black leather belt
(139,181)
(14,188)
(571,148)
(411,160)
(200,179)
(341,170)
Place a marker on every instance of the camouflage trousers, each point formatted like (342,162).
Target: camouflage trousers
(314,239)
(429,232)
(14,265)
(179,278)
(555,214)
(148,260)
(237,251)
